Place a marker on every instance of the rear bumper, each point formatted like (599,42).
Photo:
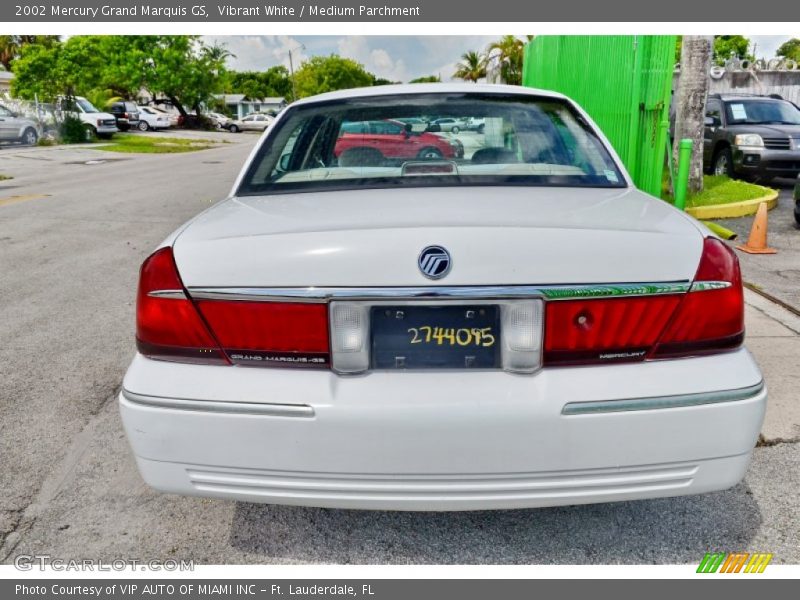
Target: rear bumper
(440,441)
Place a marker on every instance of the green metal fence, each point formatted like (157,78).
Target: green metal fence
(623,82)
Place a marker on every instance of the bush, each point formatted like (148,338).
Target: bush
(72,130)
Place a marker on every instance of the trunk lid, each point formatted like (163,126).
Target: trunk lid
(495,235)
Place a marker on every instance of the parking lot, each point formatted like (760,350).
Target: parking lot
(75,223)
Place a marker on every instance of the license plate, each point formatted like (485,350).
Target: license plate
(435,337)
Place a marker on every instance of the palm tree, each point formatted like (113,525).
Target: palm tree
(471,68)
(690,101)
(508,51)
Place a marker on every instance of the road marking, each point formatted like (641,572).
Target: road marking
(21,198)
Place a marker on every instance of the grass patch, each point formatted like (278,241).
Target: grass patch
(5,177)
(719,189)
(147,144)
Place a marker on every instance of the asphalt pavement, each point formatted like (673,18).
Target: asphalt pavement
(776,274)
(75,224)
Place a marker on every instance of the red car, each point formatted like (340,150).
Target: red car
(370,143)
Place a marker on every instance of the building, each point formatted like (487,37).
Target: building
(5,81)
(240,105)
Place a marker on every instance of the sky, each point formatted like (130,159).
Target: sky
(397,58)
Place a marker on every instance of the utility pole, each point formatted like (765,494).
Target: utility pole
(291,71)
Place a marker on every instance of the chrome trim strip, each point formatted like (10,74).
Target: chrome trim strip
(659,402)
(174,294)
(549,292)
(702,286)
(239,408)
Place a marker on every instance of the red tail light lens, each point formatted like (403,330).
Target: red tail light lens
(270,333)
(168,326)
(604,330)
(171,326)
(708,320)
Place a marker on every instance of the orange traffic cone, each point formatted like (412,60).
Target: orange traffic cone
(757,242)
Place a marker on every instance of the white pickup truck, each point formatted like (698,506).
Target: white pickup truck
(97,123)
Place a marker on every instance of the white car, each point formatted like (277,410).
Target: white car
(252,122)
(522,328)
(150,118)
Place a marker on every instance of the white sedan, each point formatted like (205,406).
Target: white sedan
(150,118)
(252,122)
(519,328)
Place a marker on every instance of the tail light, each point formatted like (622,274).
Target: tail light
(171,326)
(168,326)
(709,318)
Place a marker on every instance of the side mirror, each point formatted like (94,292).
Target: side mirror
(710,122)
(283,163)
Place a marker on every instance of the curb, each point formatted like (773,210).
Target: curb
(734,209)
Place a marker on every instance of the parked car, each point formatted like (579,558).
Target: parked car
(220,120)
(252,122)
(797,201)
(372,143)
(417,125)
(518,330)
(475,124)
(16,128)
(751,136)
(150,118)
(126,113)
(449,124)
(96,123)
(173,115)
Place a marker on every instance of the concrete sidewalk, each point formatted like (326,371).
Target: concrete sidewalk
(773,336)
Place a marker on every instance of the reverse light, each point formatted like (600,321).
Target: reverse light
(521,335)
(349,323)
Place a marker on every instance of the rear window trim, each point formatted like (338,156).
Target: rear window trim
(536,181)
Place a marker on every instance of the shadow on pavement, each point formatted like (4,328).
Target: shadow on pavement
(662,531)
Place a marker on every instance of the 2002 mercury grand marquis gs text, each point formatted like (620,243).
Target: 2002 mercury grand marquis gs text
(514,325)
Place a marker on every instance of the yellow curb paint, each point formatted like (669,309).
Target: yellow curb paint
(734,209)
(21,198)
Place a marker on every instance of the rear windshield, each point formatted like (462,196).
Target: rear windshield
(431,139)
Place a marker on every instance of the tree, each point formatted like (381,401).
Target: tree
(11,46)
(427,79)
(329,73)
(790,49)
(509,51)
(690,102)
(471,68)
(382,81)
(274,82)
(727,45)
(180,67)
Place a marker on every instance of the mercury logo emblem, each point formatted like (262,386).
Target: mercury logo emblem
(434,262)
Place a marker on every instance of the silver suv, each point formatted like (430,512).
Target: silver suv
(15,128)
